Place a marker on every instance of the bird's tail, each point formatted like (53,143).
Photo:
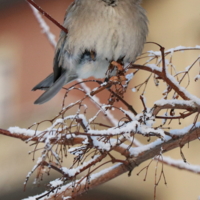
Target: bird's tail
(45,84)
(53,88)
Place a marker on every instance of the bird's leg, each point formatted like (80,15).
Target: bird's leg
(118,65)
(106,83)
(120,72)
(109,71)
(109,81)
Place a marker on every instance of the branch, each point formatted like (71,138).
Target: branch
(47,15)
(44,27)
(180,164)
(30,135)
(169,79)
(144,154)
(174,104)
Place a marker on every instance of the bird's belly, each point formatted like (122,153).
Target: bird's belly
(97,69)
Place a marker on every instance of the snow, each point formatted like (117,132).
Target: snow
(188,67)
(183,90)
(68,197)
(135,151)
(96,101)
(147,117)
(154,67)
(129,76)
(111,117)
(35,197)
(27,132)
(183,131)
(134,90)
(174,102)
(94,117)
(125,130)
(84,120)
(128,113)
(182,48)
(181,164)
(101,145)
(57,121)
(178,48)
(154,53)
(56,183)
(69,185)
(72,172)
(44,27)
(197,77)
(70,136)
(133,126)
(104,171)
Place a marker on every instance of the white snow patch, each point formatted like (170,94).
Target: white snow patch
(183,131)
(27,132)
(175,102)
(129,76)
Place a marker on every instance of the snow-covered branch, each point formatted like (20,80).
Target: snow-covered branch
(92,135)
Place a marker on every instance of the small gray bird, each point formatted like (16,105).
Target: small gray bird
(99,32)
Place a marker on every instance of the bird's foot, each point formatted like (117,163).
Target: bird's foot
(109,81)
(118,65)
(118,78)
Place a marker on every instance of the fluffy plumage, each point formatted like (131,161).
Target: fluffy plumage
(99,31)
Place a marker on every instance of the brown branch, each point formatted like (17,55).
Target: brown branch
(47,15)
(162,49)
(181,116)
(181,166)
(165,78)
(191,108)
(24,137)
(123,168)
(124,102)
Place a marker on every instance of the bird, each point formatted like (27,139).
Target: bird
(99,32)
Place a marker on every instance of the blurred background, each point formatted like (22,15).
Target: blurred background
(26,58)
